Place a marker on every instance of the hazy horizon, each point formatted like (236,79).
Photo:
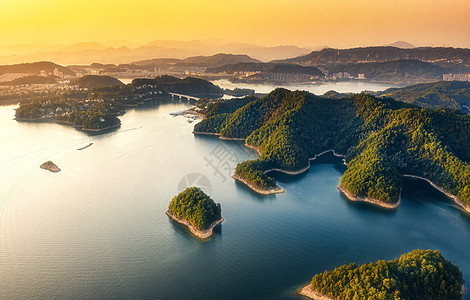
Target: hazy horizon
(311,24)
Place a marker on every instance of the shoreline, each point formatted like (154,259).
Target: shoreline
(376,202)
(276,190)
(206,133)
(301,170)
(453,197)
(308,292)
(202,234)
(345,192)
(101,129)
(218,134)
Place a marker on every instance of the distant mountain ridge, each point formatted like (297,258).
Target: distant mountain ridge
(95,81)
(392,70)
(447,94)
(35,68)
(215,60)
(329,56)
(402,44)
(122,52)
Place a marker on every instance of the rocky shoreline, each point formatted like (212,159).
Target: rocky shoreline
(50,166)
(308,292)
(454,198)
(206,133)
(276,190)
(202,234)
(218,134)
(376,202)
(348,194)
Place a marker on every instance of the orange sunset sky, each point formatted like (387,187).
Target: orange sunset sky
(311,23)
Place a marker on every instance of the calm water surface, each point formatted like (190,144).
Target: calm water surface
(98,230)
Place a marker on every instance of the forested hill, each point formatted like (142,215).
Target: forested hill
(382,139)
(420,274)
(448,94)
(329,56)
(187,86)
(35,68)
(392,70)
(95,81)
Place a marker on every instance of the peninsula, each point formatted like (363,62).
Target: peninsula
(50,166)
(383,140)
(196,210)
(420,274)
(93,103)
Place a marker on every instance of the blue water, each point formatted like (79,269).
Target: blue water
(97,229)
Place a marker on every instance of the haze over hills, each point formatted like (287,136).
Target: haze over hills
(449,94)
(397,70)
(401,44)
(123,52)
(35,68)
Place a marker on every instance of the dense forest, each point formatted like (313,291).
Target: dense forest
(420,274)
(187,86)
(446,94)
(381,138)
(196,207)
(96,81)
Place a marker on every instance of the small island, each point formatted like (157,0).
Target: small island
(196,210)
(420,274)
(50,166)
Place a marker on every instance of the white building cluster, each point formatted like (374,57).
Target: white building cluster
(456,77)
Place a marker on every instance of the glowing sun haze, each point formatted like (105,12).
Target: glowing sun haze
(336,23)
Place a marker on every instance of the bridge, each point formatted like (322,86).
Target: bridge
(181,96)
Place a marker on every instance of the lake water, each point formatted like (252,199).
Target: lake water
(97,229)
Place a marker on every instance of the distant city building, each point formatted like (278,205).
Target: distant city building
(361,76)
(288,77)
(456,77)
(342,75)
(43,73)
(58,73)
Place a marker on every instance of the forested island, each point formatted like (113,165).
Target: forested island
(196,210)
(381,139)
(420,274)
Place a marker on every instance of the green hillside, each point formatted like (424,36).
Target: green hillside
(187,86)
(95,81)
(381,138)
(420,274)
(446,94)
